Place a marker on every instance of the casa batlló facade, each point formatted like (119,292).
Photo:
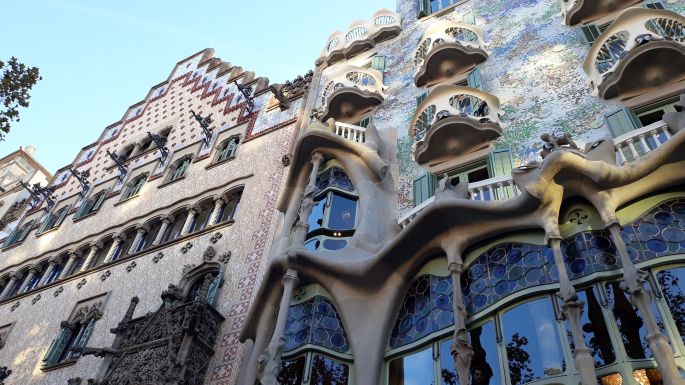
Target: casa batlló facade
(460,192)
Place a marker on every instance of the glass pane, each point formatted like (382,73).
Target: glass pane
(532,342)
(292,372)
(629,321)
(316,218)
(650,376)
(485,363)
(669,281)
(448,372)
(326,371)
(594,327)
(334,244)
(413,369)
(343,212)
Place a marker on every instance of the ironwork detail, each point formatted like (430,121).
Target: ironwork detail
(161,146)
(247,94)
(121,165)
(82,177)
(39,193)
(204,123)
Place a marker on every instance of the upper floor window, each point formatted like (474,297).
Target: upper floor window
(229,210)
(126,152)
(91,205)
(179,169)
(135,186)
(227,149)
(19,234)
(54,220)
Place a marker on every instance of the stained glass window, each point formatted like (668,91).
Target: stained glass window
(659,232)
(333,177)
(315,322)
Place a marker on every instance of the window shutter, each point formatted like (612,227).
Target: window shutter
(622,121)
(468,18)
(213,291)
(591,32)
(500,162)
(57,346)
(378,63)
(424,188)
(424,8)
(654,5)
(474,79)
(62,215)
(421,98)
(98,202)
(83,338)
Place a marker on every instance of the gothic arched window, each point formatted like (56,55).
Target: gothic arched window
(179,169)
(135,186)
(227,149)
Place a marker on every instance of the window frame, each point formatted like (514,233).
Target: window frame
(179,170)
(222,153)
(133,187)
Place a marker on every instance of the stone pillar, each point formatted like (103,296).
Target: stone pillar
(14,278)
(73,256)
(572,309)
(117,241)
(140,234)
(166,221)
(33,270)
(270,361)
(52,263)
(192,214)
(461,349)
(219,203)
(90,259)
(301,228)
(641,298)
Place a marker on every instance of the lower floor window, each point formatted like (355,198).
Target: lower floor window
(314,369)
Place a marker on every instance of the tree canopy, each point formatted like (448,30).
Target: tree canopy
(16,82)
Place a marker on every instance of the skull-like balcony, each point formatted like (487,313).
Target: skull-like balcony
(643,50)
(447,49)
(453,126)
(362,35)
(584,11)
(351,91)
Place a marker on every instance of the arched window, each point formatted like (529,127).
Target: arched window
(54,220)
(145,145)
(19,234)
(179,169)
(126,152)
(202,218)
(35,280)
(175,227)
(227,149)
(134,186)
(230,209)
(91,205)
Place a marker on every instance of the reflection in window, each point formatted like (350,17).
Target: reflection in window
(485,364)
(629,320)
(595,330)
(316,218)
(292,372)
(326,371)
(415,368)
(651,376)
(342,213)
(670,282)
(532,347)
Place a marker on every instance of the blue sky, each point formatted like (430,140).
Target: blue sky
(97,58)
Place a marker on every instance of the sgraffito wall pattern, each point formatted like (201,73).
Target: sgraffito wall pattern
(534,68)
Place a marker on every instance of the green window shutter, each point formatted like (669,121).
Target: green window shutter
(424,8)
(424,188)
(98,202)
(655,5)
(591,32)
(622,121)
(421,98)
(62,215)
(500,162)
(213,291)
(83,337)
(57,347)
(474,79)
(378,63)
(468,18)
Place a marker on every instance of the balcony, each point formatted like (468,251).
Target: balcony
(643,50)
(634,144)
(584,11)
(351,91)
(454,125)
(447,49)
(361,35)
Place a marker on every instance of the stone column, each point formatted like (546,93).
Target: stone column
(301,228)
(219,203)
(641,298)
(117,241)
(166,221)
(73,256)
(192,213)
(90,259)
(270,361)
(140,234)
(461,349)
(33,270)
(14,278)
(52,263)
(572,309)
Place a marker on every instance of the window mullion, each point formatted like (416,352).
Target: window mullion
(308,361)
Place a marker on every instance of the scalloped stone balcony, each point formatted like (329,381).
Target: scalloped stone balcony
(453,126)
(351,91)
(584,11)
(446,50)
(362,35)
(643,50)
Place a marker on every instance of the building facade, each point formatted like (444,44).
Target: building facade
(460,192)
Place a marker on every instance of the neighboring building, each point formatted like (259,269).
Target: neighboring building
(15,168)
(413,211)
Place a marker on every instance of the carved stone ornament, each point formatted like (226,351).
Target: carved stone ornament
(35,299)
(87,312)
(131,266)
(158,257)
(81,283)
(299,293)
(74,381)
(15,306)
(209,254)
(186,247)
(556,141)
(225,257)
(578,216)
(286,160)
(105,275)
(187,268)
(58,291)
(215,237)
(12,213)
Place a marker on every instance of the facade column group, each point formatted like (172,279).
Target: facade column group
(219,204)
(92,252)
(52,264)
(73,256)
(33,270)
(190,221)
(116,244)
(13,281)
(166,221)
(140,234)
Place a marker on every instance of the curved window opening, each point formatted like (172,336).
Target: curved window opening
(227,149)
(135,186)
(145,145)
(91,205)
(179,170)
(203,217)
